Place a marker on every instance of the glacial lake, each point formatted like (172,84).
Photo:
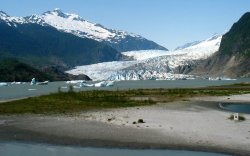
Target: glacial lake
(26,149)
(26,90)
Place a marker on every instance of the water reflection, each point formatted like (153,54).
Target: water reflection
(25,149)
(236,107)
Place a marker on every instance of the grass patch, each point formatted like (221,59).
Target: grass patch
(69,102)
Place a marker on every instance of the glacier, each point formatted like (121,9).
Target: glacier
(101,71)
(145,54)
(154,64)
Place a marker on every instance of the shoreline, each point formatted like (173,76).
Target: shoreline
(26,136)
(196,125)
(16,99)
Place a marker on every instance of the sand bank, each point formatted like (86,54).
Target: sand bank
(193,125)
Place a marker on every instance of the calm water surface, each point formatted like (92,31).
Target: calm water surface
(25,149)
(236,107)
(26,90)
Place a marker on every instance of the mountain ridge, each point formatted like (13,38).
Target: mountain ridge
(76,25)
(44,45)
(232,59)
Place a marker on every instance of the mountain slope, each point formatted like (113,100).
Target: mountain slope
(74,24)
(233,57)
(44,45)
(169,66)
(237,40)
(13,70)
(120,40)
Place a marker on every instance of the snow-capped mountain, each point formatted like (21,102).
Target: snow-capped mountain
(11,21)
(172,65)
(74,24)
(187,45)
(42,45)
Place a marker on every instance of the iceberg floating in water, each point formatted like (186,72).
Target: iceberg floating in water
(3,84)
(16,83)
(76,87)
(99,84)
(31,89)
(33,81)
(221,78)
(86,85)
(105,84)
(82,83)
(75,81)
(110,83)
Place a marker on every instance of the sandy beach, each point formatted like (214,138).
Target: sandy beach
(197,124)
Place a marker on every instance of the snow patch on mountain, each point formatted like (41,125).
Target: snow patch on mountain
(11,21)
(145,54)
(74,24)
(202,50)
(187,45)
(196,50)
(70,23)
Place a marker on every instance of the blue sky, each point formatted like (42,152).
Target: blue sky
(168,22)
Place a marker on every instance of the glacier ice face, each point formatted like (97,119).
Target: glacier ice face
(169,65)
(101,71)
